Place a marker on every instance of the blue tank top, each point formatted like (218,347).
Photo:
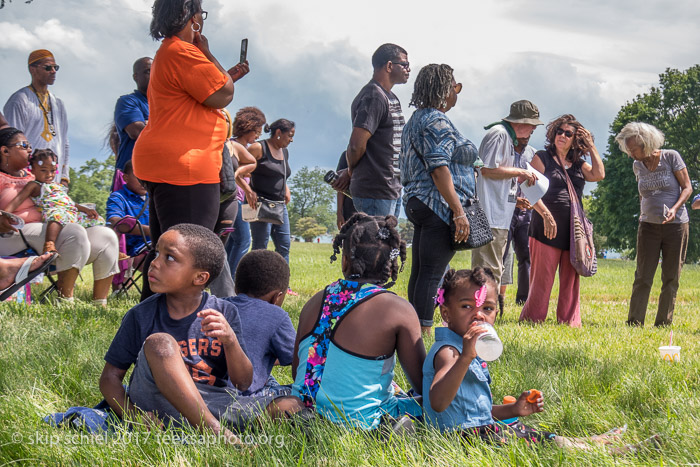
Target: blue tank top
(346,388)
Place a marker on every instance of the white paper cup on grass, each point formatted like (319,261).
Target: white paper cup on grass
(488,346)
(671,353)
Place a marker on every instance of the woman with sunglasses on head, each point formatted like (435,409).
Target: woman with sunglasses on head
(76,245)
(437,173)
(567,143)
(178,154)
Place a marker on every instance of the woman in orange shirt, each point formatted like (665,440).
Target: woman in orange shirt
(178,154)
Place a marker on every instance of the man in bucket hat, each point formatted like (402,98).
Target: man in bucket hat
(498,180)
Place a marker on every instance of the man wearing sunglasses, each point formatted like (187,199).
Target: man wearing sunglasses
(40,114)
(373,173)
(498,179)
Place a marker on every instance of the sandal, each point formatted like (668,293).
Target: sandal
(50,247)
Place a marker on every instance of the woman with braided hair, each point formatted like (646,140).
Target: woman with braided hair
(349,333)
(437,172)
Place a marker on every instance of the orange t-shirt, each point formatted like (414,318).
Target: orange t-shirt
(183,140)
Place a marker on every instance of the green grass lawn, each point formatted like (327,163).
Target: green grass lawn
(603,375)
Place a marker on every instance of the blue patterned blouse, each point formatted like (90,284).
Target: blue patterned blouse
(440,144)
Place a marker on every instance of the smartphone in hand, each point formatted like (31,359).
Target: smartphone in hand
(244,50)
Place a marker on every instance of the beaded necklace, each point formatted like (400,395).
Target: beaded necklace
(48,114)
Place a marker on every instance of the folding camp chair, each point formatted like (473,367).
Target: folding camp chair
(136,261)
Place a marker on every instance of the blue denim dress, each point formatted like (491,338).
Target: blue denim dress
(471,406)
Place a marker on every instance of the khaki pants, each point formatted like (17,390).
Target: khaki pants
(491,255)
(671,241)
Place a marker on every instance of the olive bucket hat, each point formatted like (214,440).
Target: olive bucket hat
(524,112)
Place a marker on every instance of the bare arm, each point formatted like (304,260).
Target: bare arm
(686,191)
(357,147)
(410,348)
(443,181)
(307,318)
(215,326)
(696,204)
(339,200)
(30,189)
(224,96)
(135,129)
(256,150)
(595,171)
(123,228)
(111,388)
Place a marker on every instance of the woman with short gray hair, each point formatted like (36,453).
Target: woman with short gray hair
(664,187)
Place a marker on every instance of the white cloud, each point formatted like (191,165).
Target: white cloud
(309,58)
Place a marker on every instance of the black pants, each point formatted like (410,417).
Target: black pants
(518,234)
(431,253)
(170,205)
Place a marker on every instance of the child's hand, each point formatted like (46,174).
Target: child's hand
(469,341)
(525,408)
(91,213)
(214,325)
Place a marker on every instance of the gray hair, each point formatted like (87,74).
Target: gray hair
(648,136)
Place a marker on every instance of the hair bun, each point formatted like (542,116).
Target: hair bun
(266,128)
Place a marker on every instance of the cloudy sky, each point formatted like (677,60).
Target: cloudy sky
(309,58)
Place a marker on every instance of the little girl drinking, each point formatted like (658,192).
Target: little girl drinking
(456,392)
(52,200)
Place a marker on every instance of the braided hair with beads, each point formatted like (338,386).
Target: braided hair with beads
(373,248)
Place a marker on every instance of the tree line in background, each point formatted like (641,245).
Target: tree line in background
(674,108)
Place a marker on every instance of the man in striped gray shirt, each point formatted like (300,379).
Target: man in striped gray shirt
(373,152)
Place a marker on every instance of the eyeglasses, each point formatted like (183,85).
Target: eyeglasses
(567,133)
(458,88)
(404,65)
(204,14)
(49,67)
(23,145)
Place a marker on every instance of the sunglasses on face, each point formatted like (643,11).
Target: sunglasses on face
(458,88)
(48,67)
(404,65)
(566,133)
(204,14)
(24,145)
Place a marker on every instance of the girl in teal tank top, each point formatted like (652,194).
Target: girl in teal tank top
(349,380)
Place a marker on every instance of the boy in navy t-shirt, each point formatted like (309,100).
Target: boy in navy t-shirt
(262,278)
(185,343)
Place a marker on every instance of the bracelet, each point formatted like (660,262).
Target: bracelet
(460,217)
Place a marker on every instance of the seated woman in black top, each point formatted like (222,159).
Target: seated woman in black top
(567,143)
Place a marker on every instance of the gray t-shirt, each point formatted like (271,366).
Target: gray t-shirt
(377,174)
(660,187)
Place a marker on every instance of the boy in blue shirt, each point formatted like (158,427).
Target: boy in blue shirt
(131,200)
(185,344)
(262,278)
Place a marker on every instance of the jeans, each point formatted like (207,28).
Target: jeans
(671,240)
(281,236)
(430,255)
(378,207)
(238,242)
